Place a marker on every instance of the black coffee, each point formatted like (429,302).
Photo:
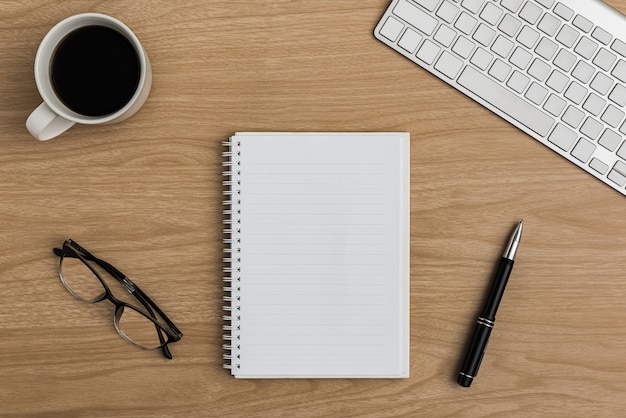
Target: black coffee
(95,71)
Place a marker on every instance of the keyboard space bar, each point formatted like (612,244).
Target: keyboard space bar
(517,108)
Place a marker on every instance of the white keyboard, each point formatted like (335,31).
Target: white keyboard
(555,69)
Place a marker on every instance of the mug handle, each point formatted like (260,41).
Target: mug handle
(44,124)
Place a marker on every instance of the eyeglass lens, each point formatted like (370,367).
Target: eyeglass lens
(138,328)
(80,280)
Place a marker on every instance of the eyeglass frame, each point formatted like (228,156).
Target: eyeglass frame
(74,250)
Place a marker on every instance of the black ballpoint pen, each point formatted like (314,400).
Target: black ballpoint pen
(486,320)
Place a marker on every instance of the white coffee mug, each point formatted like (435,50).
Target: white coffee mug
(53,116)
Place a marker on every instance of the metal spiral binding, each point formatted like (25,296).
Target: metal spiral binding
(231,262)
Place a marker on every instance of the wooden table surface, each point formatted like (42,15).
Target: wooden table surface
(146,196)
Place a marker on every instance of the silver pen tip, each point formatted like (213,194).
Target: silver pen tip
(511,248)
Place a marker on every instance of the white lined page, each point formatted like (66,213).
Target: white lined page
(323,239)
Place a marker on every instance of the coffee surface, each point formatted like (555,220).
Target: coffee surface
(95,71)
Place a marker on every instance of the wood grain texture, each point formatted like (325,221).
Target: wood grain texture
(146,196)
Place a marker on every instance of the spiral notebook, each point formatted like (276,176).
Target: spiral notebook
(317,255)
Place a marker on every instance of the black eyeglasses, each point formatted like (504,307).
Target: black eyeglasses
(145,325)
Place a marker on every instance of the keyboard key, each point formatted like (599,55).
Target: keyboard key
(481,59)
(575,92)
(549,24)
(391,29)
(621,167)
(427,4)
(509,25)
(500,70)
(620,71)
(530,12)
(546,3)
(594,104)
(410,40)
(563,11)
(601,83)
(506,101)
(448,65)
(536,93)
(573,117)
(582,23)
(428,52)
(520,58)
(583,150)
(619,46)
(557,81)
(512,5)
(583,72)
(555,105)
(465,23)
(604,59)
(586,47)
(539,69)
(472,5)
(618,95)
(463,47)
(567,36)
(484,34)
(447,11)
(601,35)
(563,137)
(415,17)
(591,128)
(528,37)
(502,46)
(491,14)
(612,116)
(610,140)
(598,166)
(565,60)
(546,49)
(616,177)
(518,82)
(444,35)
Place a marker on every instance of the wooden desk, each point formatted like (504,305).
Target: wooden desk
(145,195)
